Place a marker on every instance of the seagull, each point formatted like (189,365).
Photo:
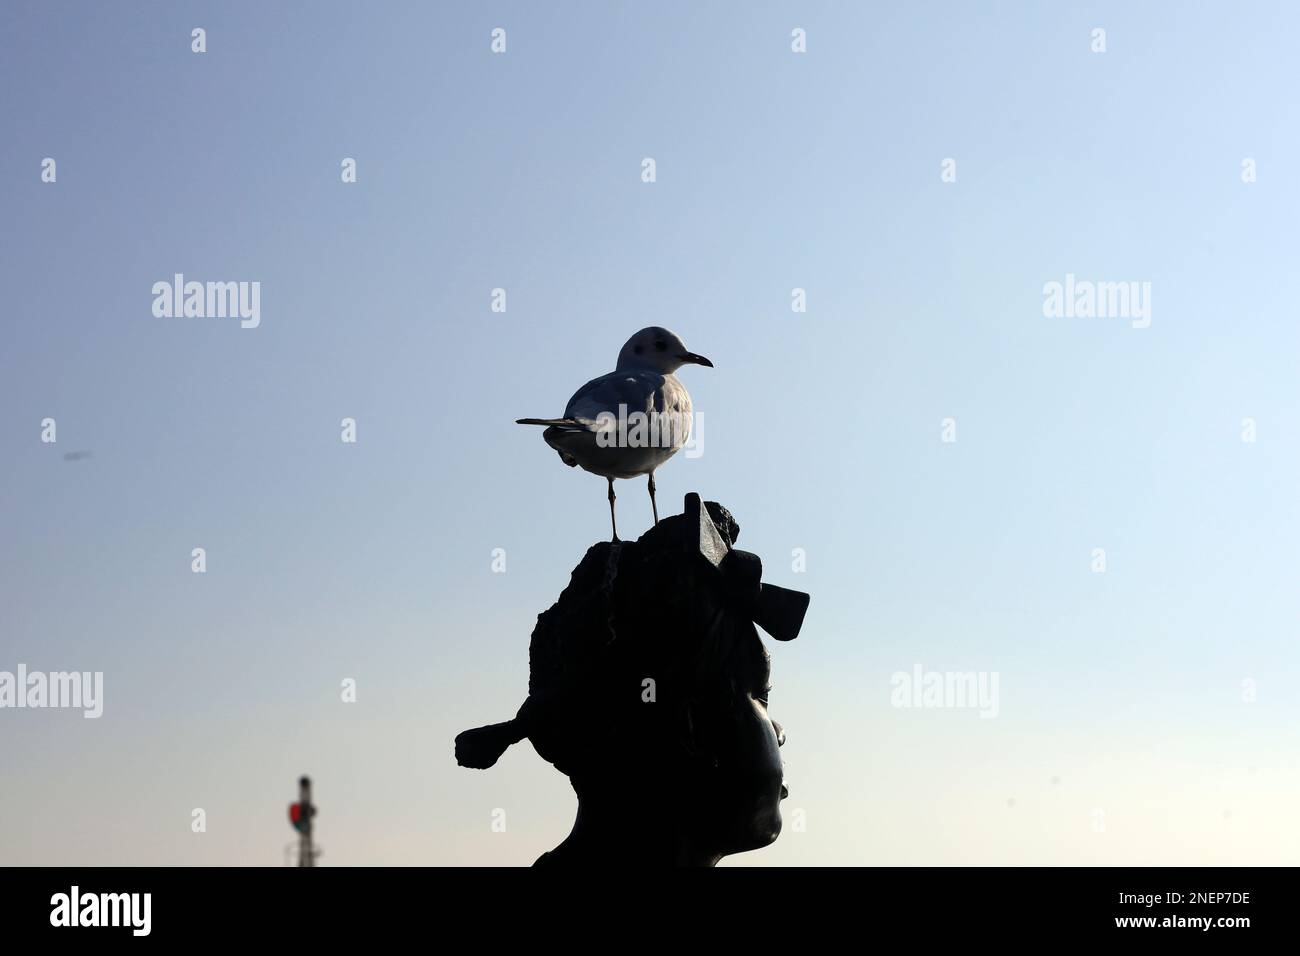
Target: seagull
(631,421)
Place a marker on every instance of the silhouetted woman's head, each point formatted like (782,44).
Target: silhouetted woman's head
(648,687)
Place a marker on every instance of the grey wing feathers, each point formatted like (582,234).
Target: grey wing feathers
(635,389)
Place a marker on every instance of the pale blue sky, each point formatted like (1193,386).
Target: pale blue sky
(821,430)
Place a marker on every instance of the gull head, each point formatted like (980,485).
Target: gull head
(657,350)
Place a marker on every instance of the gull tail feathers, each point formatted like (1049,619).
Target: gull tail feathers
(547,421)
(563,424)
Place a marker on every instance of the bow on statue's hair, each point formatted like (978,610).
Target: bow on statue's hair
(778,611)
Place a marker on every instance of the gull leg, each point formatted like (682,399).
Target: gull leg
(653,507)
(612,523)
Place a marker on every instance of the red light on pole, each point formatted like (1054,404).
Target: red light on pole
(300,816)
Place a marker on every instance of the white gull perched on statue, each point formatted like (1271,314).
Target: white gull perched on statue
(631,421)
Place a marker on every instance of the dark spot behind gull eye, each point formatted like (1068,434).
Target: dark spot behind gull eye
(660,345)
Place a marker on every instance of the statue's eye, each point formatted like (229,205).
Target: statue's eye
(660,345)
(637,350)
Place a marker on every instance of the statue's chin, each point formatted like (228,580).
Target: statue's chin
(761,830)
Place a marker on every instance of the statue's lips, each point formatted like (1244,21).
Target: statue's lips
(785,791)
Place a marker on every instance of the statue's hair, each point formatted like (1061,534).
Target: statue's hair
(639,641)
(643,640)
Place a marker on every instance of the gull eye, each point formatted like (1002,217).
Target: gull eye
(661,345)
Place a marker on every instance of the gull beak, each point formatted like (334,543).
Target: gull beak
(690,358)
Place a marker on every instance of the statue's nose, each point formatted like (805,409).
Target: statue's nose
(780,734)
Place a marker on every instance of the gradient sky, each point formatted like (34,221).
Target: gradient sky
(1120,692)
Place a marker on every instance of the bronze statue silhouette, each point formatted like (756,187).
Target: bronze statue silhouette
(648,688)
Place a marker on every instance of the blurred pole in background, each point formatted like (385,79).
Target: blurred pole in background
(305,855)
